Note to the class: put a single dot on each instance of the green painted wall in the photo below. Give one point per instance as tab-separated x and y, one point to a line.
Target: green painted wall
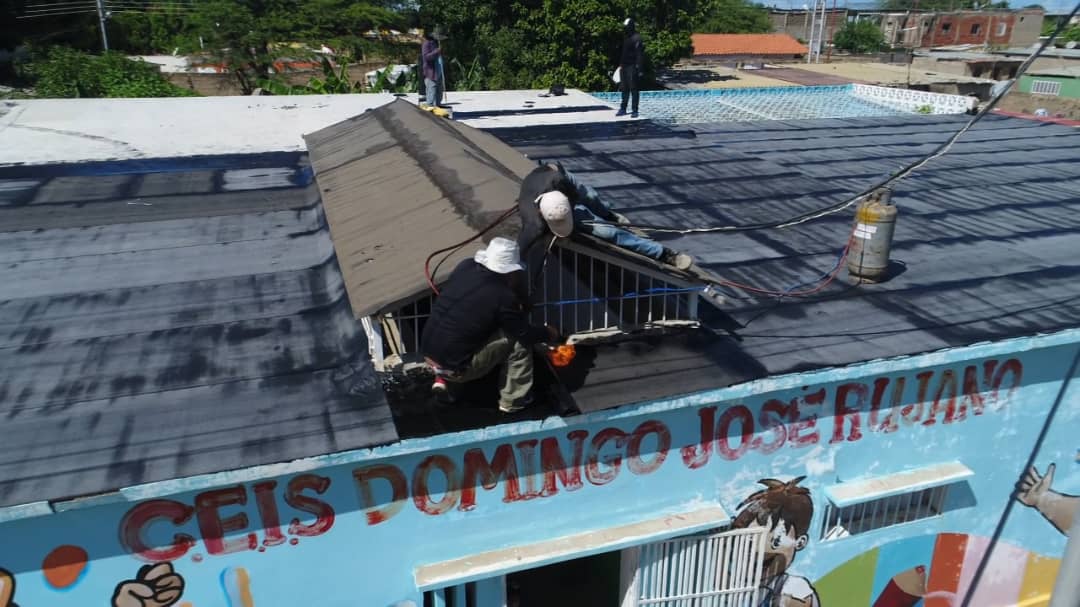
1070	87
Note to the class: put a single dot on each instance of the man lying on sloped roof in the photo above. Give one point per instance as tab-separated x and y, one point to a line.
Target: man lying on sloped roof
553	200
479	322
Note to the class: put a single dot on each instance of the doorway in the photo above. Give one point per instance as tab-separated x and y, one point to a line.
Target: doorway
592	581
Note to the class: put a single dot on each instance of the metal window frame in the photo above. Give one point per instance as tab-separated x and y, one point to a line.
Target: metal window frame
841	522
706	569
402	323
1050	88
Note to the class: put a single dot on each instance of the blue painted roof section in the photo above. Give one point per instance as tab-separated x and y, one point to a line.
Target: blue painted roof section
986	240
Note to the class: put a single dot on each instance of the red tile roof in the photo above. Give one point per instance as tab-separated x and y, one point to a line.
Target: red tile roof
747	44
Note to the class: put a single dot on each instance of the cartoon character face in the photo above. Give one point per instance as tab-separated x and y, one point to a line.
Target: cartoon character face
781	545
785	510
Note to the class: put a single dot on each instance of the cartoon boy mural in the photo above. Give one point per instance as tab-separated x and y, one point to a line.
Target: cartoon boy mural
1059	508
785	510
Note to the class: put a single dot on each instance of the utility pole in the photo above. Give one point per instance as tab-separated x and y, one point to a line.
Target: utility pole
1067	586
103	16
821	31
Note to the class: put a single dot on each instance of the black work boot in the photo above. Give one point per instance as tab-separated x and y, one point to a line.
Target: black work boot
682	261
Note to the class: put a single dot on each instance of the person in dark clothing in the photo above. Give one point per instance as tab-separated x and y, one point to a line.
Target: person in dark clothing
578	207
478	322
431	60
631	67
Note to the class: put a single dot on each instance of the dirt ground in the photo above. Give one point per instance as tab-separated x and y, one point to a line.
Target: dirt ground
1059	107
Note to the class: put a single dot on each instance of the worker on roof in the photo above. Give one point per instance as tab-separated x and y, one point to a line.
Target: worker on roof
554	200
631	68
479	322
431	60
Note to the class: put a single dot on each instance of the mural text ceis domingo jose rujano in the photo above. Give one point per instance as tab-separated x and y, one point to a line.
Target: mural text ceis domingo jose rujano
540	468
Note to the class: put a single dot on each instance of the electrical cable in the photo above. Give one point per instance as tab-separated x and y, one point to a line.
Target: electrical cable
453	248
895	177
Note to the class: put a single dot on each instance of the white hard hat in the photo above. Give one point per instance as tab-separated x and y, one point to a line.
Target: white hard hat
555	209
501	256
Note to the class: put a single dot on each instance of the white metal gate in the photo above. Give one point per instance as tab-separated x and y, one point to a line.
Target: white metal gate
715	570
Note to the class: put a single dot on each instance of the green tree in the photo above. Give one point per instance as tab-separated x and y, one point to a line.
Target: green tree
859	37
248	35
732	17
536	43
64	72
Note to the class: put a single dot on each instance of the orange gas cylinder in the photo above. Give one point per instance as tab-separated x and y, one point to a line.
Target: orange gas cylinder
561	356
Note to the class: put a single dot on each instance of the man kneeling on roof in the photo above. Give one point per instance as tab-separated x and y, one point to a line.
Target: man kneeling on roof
566	204
479	322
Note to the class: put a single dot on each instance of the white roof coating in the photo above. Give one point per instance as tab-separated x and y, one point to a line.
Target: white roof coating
78	130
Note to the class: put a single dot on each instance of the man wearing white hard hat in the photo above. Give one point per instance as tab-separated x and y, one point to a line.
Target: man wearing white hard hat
566	204
479	322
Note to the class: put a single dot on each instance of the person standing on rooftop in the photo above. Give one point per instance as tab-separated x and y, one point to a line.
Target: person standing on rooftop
431	56
631	67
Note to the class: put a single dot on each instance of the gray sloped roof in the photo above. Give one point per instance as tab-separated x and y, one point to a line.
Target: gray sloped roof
399	183
986	242
162	322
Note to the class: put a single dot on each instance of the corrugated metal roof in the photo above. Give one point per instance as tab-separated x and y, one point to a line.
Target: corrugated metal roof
986	240
164	322
397	184
746	44
1070	71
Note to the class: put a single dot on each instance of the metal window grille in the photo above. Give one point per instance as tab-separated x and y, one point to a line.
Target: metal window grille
715	570
579	292
1045	87
885	512
452	596
582	292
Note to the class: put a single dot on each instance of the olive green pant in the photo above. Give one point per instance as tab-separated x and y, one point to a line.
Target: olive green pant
516	374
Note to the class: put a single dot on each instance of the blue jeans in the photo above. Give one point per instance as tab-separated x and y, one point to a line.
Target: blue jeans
587	222
433	96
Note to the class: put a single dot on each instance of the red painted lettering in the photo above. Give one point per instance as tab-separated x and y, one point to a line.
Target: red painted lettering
772	417
889	423
324	514
697	454
421	494
972	393
912	412
398	492
213	527
141	516
845	412
634	463
527	449
1015	370
268	513
723	431
944	399
613	461
806	422
479	471
554	466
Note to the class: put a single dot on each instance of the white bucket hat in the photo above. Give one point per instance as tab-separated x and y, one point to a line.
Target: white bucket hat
501	256
555	209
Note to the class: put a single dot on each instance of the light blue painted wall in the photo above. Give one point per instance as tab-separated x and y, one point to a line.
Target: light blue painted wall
352	562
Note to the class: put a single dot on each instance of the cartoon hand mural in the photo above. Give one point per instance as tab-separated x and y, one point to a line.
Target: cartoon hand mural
7	589
154	586
1034	491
